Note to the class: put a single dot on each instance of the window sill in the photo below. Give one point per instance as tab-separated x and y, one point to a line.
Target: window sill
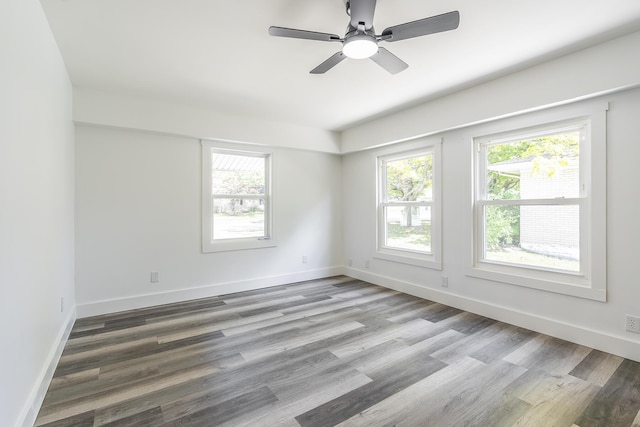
426	261
566	284
237	245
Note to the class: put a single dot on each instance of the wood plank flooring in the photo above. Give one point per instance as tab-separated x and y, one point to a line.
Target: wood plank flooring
329	352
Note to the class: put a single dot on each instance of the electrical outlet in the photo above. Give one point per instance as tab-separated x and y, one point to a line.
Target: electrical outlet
61	304
304	259
350	262
633	324
367	264
154	277
444	281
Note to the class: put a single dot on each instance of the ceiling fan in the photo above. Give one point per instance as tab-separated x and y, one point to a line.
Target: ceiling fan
361	41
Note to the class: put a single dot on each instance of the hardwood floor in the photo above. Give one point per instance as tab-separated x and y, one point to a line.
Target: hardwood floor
330	352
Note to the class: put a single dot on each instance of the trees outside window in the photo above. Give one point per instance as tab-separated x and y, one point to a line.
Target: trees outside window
407	205
530	200
236	199
539	206
408	208
238	195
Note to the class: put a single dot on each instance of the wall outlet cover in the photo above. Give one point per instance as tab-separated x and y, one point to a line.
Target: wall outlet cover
633	324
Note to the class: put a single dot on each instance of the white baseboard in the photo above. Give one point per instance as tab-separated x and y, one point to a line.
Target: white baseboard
32	406
148	300
617	345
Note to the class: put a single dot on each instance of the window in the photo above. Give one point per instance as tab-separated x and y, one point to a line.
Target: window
539	199
409	207
236	199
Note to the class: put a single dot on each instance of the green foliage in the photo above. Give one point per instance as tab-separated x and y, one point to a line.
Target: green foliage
503	226
407	179
238	182
546	154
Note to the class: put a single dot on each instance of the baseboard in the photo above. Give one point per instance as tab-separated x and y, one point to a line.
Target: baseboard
32	406
617	345
148	300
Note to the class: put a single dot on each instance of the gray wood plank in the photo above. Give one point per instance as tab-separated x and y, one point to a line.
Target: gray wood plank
330	351
597	367
224	411
618	401
386	383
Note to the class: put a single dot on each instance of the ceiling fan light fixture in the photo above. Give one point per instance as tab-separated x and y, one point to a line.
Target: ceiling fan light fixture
360	46
360	40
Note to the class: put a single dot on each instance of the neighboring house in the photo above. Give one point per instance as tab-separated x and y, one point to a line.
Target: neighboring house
560	235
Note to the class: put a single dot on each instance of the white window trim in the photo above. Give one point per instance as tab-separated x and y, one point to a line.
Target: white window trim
210	245
431	260
591	282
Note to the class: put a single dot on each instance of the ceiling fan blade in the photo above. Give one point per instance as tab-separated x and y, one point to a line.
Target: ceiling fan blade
303	34
389	61
362	11
333	60
422	27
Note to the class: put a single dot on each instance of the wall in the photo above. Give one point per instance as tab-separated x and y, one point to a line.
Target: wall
592	323
138	210
36	208
596	70
96	107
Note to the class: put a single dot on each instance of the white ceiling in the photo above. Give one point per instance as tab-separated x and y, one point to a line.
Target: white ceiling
218	54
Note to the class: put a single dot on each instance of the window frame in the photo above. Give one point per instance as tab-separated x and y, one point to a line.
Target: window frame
209	243
590	281
407	256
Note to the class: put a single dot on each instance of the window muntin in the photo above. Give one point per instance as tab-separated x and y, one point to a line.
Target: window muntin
408	205
236	199
531	199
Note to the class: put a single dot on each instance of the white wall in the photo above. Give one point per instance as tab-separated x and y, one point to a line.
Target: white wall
598	69
596	324
36	208
138	210
95	107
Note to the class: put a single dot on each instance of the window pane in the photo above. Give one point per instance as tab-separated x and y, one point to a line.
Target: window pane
540	168
237	174
410	179
408	227
537	236
238	218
